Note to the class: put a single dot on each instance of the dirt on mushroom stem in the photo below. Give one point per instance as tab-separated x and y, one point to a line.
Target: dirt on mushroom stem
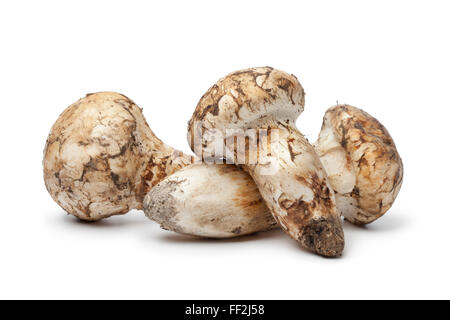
294	185
205	200
214	201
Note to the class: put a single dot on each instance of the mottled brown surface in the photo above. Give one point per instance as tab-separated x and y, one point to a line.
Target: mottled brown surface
254	90
101	157
299	211
373	154
247	195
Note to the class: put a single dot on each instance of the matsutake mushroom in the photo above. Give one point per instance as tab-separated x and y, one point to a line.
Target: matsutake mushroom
362	163
101	157
286	169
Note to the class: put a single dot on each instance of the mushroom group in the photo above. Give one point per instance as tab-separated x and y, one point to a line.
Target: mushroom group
253	169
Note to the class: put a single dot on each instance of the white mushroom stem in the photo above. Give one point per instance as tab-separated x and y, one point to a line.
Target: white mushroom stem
215	201
297	192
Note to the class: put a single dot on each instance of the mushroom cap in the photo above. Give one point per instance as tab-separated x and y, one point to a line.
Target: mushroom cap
243	98
95	155
372	171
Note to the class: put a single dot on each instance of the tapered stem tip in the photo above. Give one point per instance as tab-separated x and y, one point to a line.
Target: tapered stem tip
324	236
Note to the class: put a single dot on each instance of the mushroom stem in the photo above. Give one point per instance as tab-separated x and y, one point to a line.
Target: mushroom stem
221	201
296	190
214	201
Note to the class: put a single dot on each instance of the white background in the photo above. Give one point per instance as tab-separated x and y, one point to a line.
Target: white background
390	58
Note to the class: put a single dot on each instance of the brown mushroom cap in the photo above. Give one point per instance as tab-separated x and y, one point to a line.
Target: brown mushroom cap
371	173
243	97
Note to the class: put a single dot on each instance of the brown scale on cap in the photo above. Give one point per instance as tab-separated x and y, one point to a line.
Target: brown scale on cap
246	89
269	99
101	157
362	161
